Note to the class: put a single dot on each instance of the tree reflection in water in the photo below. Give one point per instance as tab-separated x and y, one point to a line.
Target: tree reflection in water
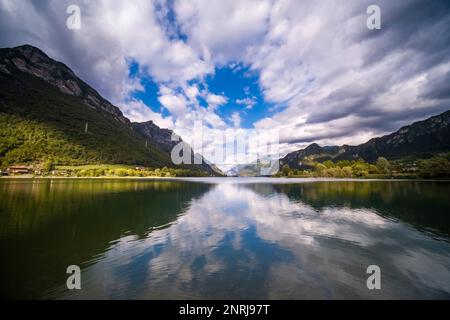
166	239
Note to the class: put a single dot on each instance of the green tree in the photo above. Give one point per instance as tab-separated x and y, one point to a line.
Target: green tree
328	164
335	172
435	167
383	165
47	166
360	169
285	170
343	163
373	169
320	169
347	171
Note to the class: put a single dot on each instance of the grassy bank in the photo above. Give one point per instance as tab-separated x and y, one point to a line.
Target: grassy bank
107	170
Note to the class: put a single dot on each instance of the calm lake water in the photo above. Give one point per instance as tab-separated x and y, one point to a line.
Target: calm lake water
224	238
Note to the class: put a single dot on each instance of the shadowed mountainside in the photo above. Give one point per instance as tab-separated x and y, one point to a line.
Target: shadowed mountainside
48	113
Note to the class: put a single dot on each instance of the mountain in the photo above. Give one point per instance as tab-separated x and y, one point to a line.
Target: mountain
259	167
162	138
48	113
32	61
418	139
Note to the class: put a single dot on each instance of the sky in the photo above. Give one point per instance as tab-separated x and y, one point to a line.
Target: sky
312	70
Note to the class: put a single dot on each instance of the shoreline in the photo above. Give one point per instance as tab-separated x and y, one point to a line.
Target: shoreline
59	177
200	179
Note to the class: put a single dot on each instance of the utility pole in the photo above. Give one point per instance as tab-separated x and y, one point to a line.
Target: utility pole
86	128
146	143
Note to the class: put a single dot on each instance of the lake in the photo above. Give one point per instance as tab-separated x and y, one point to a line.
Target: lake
224	238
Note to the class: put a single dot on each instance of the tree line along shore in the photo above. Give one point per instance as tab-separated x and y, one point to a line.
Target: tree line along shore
434	167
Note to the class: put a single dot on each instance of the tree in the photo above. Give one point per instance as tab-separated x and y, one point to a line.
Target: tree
320	169
360	169
383	165
435	167
347	171
328	164
373	169
48	166
286	169
343	163
335	172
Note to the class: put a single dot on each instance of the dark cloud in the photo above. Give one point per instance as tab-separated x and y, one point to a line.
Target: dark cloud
410	25
329	134
339	104
381	122
420	32
437	88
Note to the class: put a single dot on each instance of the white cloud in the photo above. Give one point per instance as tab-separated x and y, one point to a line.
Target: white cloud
328	79
236	119
137	111
249	103
215	100
308	231
192	92
223	29
175	103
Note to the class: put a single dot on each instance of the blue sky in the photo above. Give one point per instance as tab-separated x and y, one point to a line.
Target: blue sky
240	85
149	92
236	82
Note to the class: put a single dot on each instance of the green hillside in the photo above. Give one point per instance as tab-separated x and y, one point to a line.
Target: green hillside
38	122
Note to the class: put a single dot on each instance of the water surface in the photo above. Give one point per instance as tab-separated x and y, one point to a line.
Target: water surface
224	238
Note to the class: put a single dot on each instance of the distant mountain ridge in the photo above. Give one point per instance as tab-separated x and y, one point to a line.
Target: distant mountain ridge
162	138
43	103
427	136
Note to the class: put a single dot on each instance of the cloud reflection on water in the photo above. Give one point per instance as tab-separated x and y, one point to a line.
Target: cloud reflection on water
242	241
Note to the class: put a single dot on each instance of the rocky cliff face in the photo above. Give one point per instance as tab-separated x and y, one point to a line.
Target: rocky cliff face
162	138
428	136
33	61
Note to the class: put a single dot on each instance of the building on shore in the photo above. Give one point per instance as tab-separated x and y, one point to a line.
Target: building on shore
16	170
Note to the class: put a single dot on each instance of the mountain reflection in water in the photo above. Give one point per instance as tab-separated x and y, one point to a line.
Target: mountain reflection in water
210	239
